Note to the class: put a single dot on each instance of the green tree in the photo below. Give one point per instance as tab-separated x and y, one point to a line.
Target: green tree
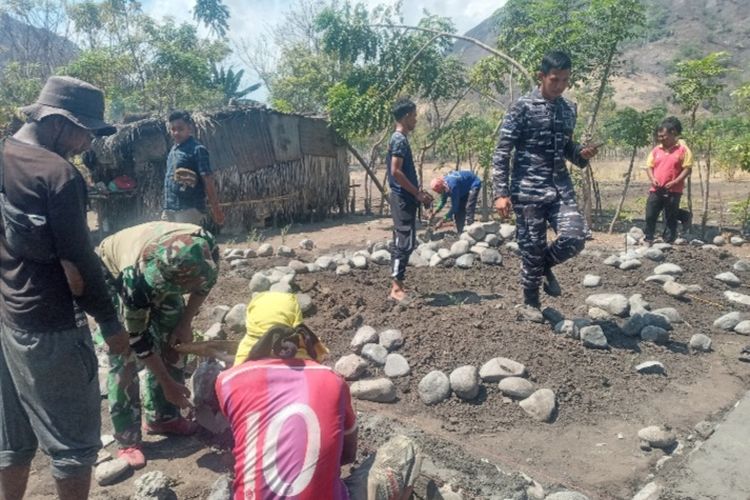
228	82
214	15
19	85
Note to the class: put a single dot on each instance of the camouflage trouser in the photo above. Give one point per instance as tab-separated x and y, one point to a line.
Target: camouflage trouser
123	383
536	255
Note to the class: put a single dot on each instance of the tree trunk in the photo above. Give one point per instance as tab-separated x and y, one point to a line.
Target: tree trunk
704	215
624	191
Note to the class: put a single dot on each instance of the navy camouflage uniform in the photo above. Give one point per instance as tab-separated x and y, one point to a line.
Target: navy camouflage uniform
540	188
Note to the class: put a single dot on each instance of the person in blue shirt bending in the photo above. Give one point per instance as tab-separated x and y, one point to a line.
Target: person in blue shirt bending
462	186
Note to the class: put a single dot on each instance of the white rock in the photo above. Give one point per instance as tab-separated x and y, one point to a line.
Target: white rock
730	320
630	264
737	298
444	253
671	269
612	260
728	278
654	254
614	303
493	240
364	335
259	283
313	268
636	233
680	241
598	314
214	332
652	491
697	243
434	387
591	280
221	489
281	287
672	314
660	278
476	231
235	319
491	227
675	289
700	343
427	254
285	251
513	247
435	260
465	382
351	366
111	471
499	368
638	304
742	265
566	495
719	241
465	261
516	387
239	264
305	302
567	327
651	367
396	366
391	339
657	437
491	256
249	253
737	241
343	270
459	248
325	262
593	336
153	485
743	327
307	244
298	266
380	390
465	237
265	250
381	257
218	313
375	353
507	232
540	405
416	260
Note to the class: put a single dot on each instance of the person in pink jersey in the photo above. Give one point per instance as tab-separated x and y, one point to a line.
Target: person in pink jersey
293	422
668	165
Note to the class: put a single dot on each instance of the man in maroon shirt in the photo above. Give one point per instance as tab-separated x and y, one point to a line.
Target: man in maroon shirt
50	277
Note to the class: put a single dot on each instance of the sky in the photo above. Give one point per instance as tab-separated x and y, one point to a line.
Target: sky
252	18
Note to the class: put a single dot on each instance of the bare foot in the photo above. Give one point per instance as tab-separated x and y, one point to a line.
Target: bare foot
397	291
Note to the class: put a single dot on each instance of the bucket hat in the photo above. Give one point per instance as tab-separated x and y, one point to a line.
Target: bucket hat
76	100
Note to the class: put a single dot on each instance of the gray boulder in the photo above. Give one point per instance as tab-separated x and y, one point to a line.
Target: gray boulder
345	270
434	387
675	289
381	257
658	437
284	251
737	241
612	260
305	302
153	485
493	240
729	278
737	298
396	366
111	471
597	314
636	233
235	319
700	343
325	262
655	334
719	241
465	382
259	283
507	231
375	353
552	315
364	335
614	303
351	366
638	304
476	231
391	339
730	320
743	327
380	390
282	286
465	261
491	256
742	266
416	260
265	250
499	368
459	248
655	254
465	237
630	264
516	387
540	405
593	337
359	262
668	268
659	278
591	281
672	314
221	489
491	227
298	266
307	244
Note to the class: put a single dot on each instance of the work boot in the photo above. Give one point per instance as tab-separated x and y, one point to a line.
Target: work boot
551	285
133	456
177	427
530	309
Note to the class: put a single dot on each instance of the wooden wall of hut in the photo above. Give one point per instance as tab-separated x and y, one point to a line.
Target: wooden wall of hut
270	168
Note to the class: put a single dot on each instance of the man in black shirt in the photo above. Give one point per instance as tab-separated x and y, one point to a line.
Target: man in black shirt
49	388
405	194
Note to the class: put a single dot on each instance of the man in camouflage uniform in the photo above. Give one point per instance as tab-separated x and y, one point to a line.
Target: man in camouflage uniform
148	269
539	126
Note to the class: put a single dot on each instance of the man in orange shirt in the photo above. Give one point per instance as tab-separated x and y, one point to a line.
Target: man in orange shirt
668	165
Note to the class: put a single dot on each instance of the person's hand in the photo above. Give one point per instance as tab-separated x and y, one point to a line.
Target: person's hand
655	183
503	206
74	278
218	215
177	394
589	152
119	343
424	198
669	184
182	334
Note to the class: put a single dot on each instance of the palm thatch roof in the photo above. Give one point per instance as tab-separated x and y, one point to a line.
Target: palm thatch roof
268	167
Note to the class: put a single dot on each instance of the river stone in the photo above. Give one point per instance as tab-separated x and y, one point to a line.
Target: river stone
231	254
259	283
307	244
742	265
612	260
636	233
654	254
655	334
235	319
704	429
380	390
668	268
694	288
427	254
743	327
499	368
359	262
598	314
221	489
516	387
285	251
593	336
710	247
214	332
493	240
435	260
465	382
312	267
697	243
379	245
476	231
591	280
729	320
651	368
737	241
375	353
459	248
465	237
444	253
672	314
364	335
729	278
391	339
675	289
416	260
434	387
351	366
381	257
614	303
680	241
325	262
466	261
566	495
540	405
552	315
567	327
513	247
345	270
507	231
700	343
298	266
282	286
153	485
719	241
396	366
305	302
630	264
218	313
491	256
491	227
738	298
659	278
657	437
638	304
111	471
265	250
637	322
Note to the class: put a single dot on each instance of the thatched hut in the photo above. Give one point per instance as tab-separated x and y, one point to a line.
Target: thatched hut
269	167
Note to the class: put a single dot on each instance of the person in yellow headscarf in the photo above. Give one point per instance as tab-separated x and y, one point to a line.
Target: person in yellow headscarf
269	309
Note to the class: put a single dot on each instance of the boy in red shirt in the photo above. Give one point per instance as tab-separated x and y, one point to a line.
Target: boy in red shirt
668	165
294	425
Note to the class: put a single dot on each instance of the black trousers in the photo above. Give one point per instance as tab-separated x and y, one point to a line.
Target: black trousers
404	213
467	207
670	204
